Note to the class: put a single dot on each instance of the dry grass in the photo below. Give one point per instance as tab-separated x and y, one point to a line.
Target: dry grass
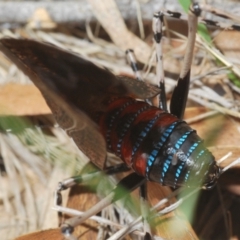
36	159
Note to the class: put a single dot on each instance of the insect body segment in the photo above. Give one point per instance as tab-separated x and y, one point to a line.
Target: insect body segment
154	143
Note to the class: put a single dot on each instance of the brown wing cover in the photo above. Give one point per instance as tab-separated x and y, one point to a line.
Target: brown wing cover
82	129
75	89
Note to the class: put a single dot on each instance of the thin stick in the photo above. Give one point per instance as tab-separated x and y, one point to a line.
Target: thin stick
224	158
201	117
232	164
140	20
219	12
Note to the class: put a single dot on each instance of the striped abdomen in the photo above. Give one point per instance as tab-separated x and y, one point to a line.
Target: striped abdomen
156	144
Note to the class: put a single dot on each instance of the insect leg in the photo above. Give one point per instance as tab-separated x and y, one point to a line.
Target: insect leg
157	24
145	210
129	183
133	63
180	93
220	13
83	178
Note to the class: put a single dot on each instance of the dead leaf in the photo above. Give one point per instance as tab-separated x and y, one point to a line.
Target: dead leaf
19	100
53	234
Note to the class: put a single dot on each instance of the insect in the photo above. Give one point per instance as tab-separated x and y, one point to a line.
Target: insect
99	111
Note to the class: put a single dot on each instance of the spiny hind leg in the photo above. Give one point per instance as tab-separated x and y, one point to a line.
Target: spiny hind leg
123	188
90	176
